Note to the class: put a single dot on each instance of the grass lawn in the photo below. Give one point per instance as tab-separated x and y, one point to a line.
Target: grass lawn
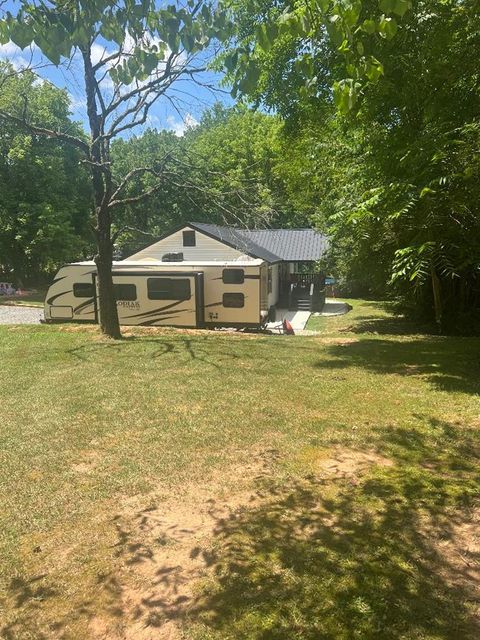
30	299
204	486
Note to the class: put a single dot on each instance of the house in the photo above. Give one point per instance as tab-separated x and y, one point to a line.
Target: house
201	275
289	253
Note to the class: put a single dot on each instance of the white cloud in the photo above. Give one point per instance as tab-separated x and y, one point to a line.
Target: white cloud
77	103
98	52
18	58
180	126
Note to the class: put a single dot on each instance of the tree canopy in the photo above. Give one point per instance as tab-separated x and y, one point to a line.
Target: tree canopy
44	198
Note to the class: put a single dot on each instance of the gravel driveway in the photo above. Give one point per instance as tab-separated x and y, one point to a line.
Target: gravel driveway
10	314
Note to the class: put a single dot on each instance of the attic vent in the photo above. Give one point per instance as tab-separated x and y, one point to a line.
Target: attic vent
172	257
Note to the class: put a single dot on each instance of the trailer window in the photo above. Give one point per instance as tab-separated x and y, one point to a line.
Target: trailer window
83	290
234	300
168	289
189	239
233	276
125	291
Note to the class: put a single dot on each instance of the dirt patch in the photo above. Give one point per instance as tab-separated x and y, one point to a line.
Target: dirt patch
342	342
349	463
459	547
341	463
166	549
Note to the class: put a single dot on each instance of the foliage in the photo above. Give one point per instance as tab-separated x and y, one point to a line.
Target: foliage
230	169
325	47
44	194
399	173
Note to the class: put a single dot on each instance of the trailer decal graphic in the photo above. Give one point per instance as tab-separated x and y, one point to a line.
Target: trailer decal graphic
83	305
58	295
158	310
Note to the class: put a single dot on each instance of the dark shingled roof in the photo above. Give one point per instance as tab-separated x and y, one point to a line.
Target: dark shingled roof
272	245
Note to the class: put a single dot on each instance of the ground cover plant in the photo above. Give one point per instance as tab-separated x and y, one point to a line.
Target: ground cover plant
204	486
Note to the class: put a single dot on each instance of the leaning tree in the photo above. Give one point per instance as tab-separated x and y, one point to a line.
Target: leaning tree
128	54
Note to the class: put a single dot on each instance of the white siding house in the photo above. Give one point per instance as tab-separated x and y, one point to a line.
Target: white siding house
206	248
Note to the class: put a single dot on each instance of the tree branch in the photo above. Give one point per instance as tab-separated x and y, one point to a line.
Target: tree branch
134	199
49	133
137	171
118	233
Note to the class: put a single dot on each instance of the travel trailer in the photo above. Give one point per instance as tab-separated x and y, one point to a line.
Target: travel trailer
182	294
199	276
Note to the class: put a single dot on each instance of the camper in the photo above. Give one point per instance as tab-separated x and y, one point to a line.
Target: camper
201	275
155	293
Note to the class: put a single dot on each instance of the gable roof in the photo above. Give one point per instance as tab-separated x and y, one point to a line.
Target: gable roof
237	239
272	245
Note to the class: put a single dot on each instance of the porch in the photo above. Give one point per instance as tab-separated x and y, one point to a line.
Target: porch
299	289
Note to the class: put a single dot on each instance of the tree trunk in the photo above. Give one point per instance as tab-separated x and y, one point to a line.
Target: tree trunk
437	297
102	191
107	304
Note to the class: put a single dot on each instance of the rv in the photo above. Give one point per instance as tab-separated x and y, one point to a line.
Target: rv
200	275
153	293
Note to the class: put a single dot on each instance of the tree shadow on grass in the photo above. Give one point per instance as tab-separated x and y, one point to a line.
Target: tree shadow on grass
450	364
394	325
182	348
357	557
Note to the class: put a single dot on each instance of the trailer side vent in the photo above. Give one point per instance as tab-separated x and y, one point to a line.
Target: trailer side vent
172	257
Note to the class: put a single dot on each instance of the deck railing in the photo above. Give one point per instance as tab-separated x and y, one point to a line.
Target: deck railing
306	279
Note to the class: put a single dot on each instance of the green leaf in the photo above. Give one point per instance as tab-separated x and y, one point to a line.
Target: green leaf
262	37
373	69
387	28
59	40
231	61
187	40
322	5
345	94
387	6
369	26
4	35
21	34
248	84
426	191
81	36
352	13
401	7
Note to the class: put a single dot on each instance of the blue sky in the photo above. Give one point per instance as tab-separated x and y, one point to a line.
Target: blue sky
186	99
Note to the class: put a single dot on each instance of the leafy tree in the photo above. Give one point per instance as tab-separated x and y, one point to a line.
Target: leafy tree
44	194
396	164
144	50
227	170
282	51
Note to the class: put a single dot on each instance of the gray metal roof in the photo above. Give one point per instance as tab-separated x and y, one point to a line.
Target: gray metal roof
292	245
272	245
236	238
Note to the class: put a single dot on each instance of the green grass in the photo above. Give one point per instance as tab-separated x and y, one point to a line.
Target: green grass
89	425
31	299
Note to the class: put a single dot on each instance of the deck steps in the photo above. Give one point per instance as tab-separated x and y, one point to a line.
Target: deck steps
303	304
